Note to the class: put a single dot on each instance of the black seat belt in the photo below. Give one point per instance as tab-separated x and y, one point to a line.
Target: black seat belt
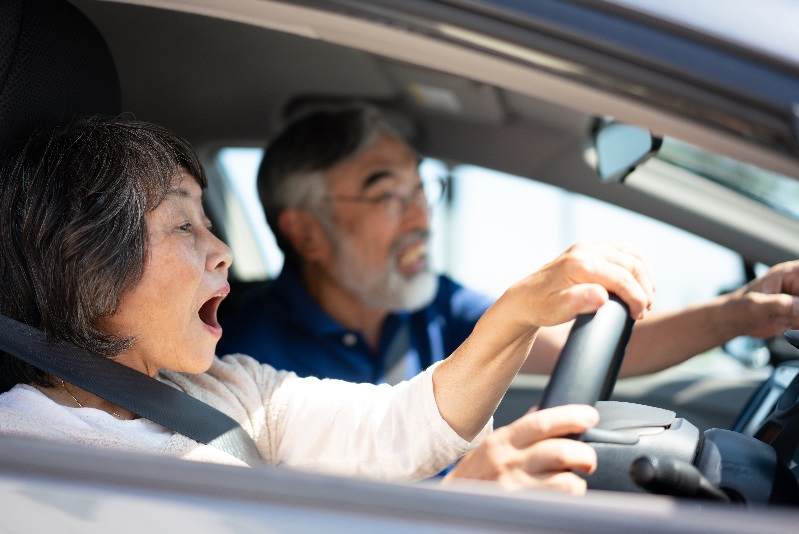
128	388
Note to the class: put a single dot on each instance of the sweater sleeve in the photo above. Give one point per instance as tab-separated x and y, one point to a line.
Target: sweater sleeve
383	432
332	426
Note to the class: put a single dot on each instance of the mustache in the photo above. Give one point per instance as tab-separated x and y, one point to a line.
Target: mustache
409	239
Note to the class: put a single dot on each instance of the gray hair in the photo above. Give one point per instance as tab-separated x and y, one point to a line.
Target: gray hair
291	175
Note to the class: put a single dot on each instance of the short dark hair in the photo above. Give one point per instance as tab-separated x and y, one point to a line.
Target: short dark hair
291	171
73	235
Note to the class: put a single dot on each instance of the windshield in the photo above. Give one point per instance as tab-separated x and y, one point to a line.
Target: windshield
779	192
743	22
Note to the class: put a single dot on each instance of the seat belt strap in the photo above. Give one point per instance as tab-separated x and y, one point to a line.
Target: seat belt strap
394	363
128	388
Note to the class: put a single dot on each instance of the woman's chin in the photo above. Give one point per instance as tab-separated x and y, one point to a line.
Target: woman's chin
199	362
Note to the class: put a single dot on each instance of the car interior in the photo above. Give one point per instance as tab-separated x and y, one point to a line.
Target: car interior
279	58
446	116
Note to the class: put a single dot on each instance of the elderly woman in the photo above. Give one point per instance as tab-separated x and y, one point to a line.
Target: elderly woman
106	245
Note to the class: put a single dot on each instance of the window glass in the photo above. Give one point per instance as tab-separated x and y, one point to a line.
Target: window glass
492	229
240	171
509	226
495	228
774	190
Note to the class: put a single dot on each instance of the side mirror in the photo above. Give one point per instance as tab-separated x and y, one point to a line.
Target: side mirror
620	148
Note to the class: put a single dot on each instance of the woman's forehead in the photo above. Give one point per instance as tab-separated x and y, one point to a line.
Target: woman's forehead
185	185
184	193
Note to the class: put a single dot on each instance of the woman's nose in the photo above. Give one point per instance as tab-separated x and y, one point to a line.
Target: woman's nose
219	256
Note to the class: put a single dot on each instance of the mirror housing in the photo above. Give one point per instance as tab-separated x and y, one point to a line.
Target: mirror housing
620	148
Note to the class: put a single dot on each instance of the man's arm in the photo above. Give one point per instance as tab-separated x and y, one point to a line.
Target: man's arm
763	308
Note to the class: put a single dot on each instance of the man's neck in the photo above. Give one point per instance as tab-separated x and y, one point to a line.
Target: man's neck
344	306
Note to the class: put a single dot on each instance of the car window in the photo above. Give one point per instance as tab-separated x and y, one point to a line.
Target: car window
521	225
239	166
779	192
750	24
494	228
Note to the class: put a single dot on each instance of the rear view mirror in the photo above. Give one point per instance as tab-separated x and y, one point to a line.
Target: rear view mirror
620	148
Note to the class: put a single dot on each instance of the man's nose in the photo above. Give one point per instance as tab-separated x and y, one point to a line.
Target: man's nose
415	211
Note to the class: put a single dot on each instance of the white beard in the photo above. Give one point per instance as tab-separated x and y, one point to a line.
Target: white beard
385	289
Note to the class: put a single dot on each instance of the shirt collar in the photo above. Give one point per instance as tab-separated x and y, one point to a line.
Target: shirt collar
302	308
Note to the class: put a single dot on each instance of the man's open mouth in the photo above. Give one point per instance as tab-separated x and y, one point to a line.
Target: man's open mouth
412	254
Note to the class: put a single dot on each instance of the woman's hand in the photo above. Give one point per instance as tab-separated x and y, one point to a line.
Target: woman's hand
470	383
578	281
530	453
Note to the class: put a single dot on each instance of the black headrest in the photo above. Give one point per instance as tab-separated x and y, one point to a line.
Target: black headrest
54	64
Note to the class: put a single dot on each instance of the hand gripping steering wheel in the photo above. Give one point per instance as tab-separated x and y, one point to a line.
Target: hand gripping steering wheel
586	373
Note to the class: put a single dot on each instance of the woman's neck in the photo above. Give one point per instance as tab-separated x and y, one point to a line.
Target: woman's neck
72	396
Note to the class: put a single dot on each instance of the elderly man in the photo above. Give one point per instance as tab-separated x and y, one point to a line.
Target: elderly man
356	299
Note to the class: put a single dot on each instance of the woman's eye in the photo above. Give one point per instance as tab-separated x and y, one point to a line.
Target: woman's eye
185	227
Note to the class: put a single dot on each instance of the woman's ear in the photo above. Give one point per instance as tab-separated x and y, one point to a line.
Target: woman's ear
306	235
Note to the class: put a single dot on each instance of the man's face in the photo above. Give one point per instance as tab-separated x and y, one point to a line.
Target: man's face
380	229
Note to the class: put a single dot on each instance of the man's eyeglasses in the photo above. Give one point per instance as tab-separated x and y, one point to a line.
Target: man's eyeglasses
426	194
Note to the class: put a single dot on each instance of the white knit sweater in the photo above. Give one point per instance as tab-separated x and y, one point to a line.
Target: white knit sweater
382	432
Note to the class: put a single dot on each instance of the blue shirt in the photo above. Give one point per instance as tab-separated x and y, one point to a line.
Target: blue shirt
280	324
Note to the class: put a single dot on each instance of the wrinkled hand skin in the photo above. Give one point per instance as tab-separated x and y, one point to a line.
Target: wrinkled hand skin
470	383
578	281
768	305
529	453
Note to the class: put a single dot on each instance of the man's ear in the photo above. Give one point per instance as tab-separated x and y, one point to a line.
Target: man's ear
304	233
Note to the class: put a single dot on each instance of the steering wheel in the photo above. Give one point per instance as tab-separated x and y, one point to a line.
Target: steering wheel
589	363
665	454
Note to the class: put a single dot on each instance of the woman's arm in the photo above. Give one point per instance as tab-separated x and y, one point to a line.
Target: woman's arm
531	452
380	432
470	383
418	427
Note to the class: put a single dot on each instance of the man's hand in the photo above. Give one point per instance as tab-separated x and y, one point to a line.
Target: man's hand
769	304
530	453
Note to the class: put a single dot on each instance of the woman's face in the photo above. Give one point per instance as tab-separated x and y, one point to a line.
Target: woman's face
171	313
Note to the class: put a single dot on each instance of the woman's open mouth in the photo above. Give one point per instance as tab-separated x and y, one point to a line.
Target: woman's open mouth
207	312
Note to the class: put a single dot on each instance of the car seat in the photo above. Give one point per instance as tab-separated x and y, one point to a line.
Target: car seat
54	65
